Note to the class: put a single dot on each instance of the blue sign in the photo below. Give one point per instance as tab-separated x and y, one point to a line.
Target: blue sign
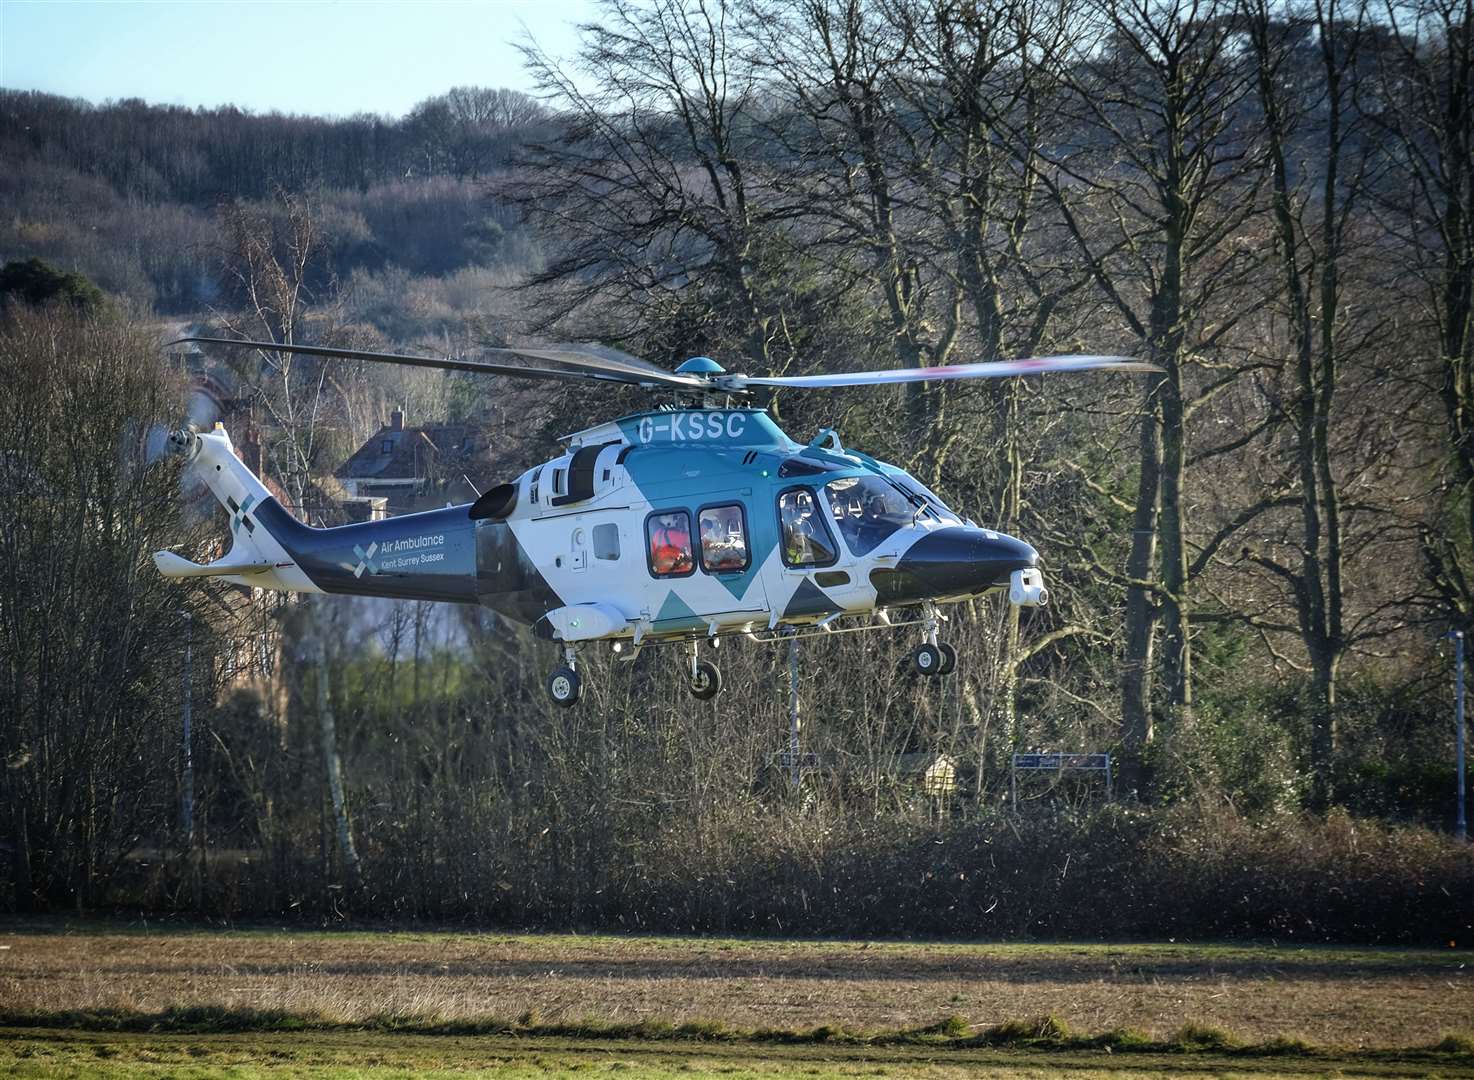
1100	762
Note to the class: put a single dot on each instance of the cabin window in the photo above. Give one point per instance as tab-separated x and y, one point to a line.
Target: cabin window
668	537
606	542
806	539
868	509
723	538
560	486
532	485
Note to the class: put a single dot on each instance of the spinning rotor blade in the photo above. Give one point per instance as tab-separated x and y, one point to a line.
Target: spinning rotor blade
996	369
603	358
602	365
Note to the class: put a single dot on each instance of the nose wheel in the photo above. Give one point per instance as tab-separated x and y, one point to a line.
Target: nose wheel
927	659
949	659
938	659
933	657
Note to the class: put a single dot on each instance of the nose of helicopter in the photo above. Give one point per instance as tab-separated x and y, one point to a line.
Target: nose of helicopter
953	562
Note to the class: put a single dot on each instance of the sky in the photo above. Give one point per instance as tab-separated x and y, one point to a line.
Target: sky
321	57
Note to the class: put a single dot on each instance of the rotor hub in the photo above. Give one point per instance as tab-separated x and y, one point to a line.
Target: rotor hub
700	365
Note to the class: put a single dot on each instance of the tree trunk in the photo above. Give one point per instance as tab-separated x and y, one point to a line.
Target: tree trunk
1317	581
20	857
332	760
1009	500
1141	615
1177	642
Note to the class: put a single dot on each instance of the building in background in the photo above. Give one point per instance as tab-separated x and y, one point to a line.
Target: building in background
416	468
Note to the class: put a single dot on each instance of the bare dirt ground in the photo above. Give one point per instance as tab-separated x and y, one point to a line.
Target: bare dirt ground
1350	998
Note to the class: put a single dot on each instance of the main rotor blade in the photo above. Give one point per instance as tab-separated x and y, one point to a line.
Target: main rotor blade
602	357
997	369
596	368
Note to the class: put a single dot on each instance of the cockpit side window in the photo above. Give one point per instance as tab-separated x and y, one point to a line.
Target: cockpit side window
868	509
807	541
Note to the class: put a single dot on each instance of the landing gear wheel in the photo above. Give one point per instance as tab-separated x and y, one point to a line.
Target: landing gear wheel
707	682
949	659
564	686
927	660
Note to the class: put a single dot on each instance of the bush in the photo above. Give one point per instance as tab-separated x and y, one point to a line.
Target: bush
1117	873
1245	751
37	282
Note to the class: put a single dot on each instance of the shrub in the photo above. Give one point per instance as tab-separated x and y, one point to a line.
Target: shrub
1456	1042
37	282
1191	1036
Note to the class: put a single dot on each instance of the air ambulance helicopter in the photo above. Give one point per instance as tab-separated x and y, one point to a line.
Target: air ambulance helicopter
694	521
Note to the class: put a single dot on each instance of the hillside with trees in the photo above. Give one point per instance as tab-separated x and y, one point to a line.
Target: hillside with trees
1255	554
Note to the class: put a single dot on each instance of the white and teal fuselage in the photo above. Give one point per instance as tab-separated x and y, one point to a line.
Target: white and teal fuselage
566	547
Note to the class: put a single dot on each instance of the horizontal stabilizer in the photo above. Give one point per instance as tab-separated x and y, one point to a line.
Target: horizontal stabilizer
176	566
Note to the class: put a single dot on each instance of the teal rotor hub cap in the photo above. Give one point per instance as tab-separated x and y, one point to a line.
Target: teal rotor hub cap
700	365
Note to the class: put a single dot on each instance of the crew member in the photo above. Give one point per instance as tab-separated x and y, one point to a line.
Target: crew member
670	545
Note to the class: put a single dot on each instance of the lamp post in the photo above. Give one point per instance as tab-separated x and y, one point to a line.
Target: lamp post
1461	827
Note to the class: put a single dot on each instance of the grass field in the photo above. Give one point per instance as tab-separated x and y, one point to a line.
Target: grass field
29	1054
96	1000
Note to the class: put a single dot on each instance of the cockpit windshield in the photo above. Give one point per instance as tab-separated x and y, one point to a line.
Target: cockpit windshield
868	509
933	501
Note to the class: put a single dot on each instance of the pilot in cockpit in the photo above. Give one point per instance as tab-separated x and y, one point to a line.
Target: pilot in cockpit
799	528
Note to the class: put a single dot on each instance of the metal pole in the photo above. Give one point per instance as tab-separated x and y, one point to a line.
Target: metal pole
1461	827
793	710
186	795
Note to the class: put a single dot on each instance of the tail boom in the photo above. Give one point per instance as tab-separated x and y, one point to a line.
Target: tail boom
428	556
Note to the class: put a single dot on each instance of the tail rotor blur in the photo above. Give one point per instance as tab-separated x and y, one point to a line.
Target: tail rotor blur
203	409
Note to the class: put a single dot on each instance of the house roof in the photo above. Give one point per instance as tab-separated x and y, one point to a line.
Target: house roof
414	453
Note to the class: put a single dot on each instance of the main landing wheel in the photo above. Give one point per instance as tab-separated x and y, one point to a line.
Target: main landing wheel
927	659
707	682
949	659
563	686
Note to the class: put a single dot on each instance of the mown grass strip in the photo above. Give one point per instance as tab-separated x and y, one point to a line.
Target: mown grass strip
1042	1033
1276	953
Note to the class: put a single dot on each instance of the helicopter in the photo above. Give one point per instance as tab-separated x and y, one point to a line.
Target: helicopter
694	521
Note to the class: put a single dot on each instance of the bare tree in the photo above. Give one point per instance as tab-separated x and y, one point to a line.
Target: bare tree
649	185
845	171
983	86
1156	183
268	261
1311	244
91	637
1426	95
468	128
